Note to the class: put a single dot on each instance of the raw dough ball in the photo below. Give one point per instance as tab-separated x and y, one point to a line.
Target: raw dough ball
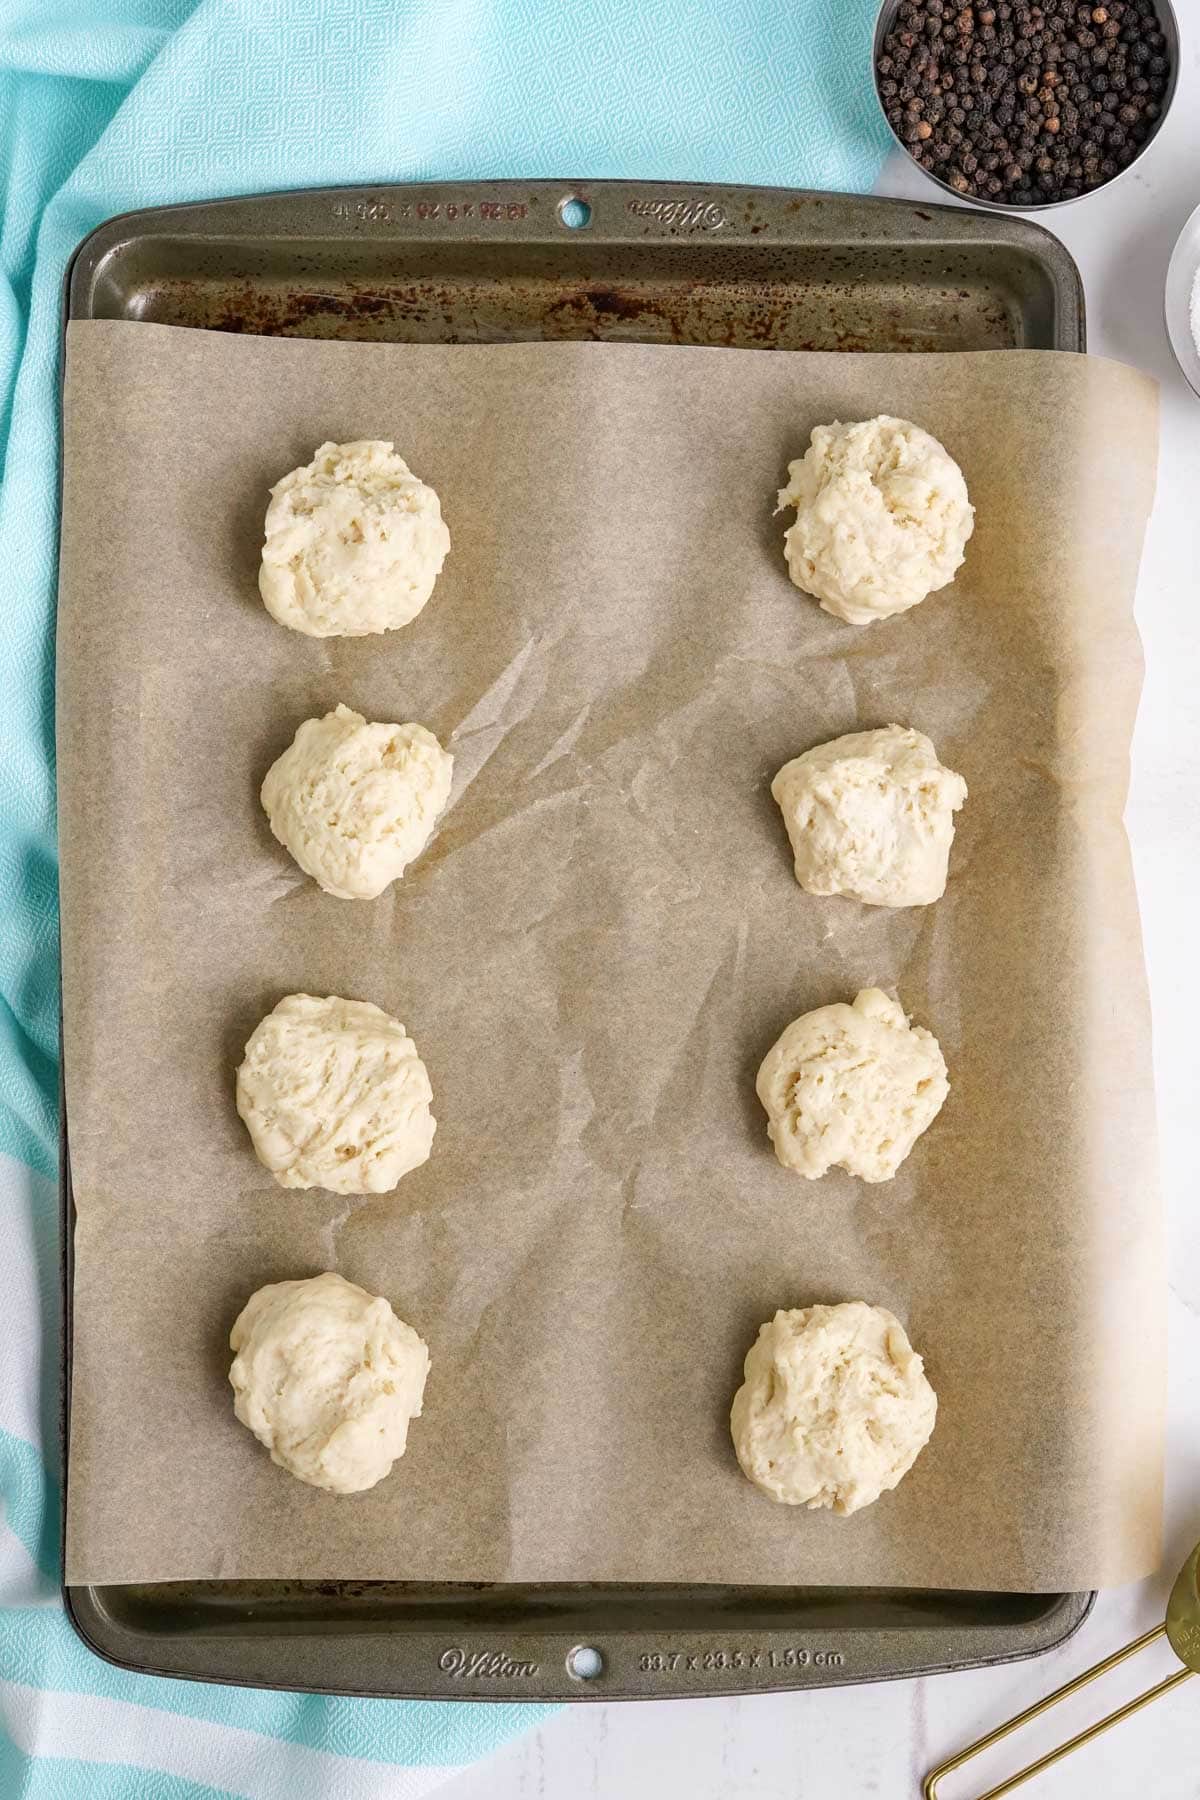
327	1377
851	1087
355	803
871	815
335	1096
882	516
354	543
835	1406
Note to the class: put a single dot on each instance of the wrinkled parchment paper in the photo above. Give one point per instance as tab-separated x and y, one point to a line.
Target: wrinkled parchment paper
593	956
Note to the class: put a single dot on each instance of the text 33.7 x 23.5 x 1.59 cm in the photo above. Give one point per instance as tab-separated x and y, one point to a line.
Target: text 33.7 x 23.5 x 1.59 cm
670	1662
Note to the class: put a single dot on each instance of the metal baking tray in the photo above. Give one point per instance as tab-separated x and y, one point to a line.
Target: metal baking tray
644	263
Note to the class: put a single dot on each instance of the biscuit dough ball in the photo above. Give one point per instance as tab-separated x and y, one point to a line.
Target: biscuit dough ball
871	815
851	1087
835	1407
356	802
882	518
335	1096
354	543
327	1377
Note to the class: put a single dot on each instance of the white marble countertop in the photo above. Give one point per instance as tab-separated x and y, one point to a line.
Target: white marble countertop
851	1743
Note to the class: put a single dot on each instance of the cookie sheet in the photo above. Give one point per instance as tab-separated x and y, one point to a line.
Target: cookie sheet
594	954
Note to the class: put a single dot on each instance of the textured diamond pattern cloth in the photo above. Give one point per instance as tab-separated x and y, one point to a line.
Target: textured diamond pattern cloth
107	105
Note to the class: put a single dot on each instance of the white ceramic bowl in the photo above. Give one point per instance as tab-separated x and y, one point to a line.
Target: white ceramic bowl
1181	274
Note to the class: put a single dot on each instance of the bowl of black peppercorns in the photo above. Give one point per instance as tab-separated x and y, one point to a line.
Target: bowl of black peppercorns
1024	106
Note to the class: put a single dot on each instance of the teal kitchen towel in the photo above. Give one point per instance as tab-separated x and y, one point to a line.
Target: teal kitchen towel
107	105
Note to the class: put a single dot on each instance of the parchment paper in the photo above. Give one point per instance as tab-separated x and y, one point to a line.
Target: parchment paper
594	954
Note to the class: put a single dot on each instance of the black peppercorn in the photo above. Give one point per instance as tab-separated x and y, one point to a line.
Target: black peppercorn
1063	92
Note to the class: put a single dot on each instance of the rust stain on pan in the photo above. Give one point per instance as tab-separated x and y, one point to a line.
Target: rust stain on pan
826	313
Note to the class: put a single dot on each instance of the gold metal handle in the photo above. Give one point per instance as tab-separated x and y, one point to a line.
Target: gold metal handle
929	1788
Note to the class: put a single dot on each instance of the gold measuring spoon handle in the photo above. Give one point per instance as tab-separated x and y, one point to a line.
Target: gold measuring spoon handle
929	1787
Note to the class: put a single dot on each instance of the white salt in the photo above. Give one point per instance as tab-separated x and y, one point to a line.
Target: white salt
1194	313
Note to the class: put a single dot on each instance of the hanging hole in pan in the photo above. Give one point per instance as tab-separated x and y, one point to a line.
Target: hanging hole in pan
575	213
584	1662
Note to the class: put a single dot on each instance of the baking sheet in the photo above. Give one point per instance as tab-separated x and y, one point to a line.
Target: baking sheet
593	956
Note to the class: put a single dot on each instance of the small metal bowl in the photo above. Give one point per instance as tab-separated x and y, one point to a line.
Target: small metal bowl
1168	25
1177	302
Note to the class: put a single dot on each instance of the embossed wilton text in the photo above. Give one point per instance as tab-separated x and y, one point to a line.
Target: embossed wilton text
486	1663
685	215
